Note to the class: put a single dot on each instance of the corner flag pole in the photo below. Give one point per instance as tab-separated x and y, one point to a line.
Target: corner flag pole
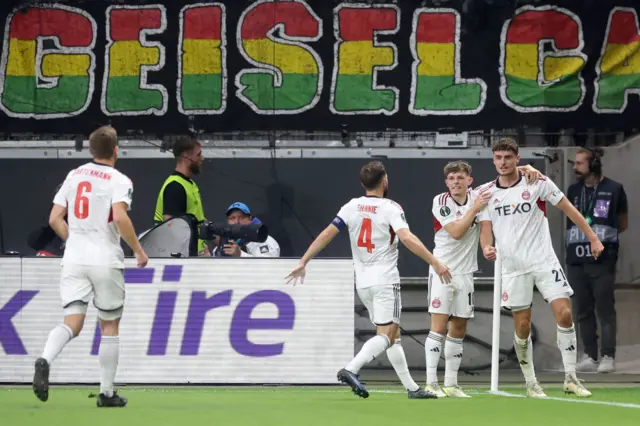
495	338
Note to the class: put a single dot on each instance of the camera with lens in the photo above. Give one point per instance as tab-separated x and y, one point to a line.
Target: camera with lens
254	232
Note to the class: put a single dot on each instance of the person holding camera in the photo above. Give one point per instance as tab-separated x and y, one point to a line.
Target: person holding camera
239	214
603	203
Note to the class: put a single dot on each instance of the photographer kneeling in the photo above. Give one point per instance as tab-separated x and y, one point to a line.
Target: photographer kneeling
239	214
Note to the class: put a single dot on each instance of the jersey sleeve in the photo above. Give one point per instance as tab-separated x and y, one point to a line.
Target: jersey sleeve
550	192
441	212
342	218
61	196
123	192
397	219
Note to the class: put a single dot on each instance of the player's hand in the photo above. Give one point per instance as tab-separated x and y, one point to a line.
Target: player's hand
531	173
482	199
489	253
142	259
443	272
298	272
596	248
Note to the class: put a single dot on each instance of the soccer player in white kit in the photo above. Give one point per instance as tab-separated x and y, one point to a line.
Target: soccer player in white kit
95	197
456	237
375	224
517	215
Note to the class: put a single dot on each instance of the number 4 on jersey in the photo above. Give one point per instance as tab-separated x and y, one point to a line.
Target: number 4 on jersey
364	239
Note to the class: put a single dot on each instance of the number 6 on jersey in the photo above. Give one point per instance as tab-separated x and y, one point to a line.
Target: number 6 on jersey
364	239
81	205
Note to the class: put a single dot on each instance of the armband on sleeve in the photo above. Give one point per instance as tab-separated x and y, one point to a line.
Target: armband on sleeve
338	223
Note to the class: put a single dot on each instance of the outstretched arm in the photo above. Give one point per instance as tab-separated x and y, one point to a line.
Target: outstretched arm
574	215
416	247
320	243
316	247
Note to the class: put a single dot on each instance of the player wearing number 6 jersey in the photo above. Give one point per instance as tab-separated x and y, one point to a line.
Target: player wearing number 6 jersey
95	197
375	224
517	211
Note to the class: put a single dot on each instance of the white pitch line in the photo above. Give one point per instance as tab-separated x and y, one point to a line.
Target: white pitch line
582	401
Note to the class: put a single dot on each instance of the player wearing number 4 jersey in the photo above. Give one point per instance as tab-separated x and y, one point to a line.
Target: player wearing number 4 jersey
96	198
455	219
517	211
375	224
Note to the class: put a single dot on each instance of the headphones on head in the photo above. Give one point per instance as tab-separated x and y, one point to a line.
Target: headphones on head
595	162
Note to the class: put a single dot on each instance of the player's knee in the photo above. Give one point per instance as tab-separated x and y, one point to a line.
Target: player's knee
564	318
458	328
110	327
523	328
439	323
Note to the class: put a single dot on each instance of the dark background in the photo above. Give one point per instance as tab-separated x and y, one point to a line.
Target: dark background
296	198
480	58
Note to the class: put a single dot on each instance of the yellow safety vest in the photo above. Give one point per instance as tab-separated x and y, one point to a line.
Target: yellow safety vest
194	203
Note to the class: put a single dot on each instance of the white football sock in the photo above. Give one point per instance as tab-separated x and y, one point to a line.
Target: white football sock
524	351
369	351
453	359
58	339
567	345
108	356
433	349
399	362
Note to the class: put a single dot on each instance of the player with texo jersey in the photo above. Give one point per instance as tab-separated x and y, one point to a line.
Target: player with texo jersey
456	238
516	215
95	197
373	222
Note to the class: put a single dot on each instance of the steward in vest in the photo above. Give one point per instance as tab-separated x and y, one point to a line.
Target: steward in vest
179	194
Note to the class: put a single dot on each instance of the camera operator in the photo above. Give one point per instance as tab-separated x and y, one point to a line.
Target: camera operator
239	214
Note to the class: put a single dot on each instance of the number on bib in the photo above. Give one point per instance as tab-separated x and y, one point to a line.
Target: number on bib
583	250
81	206
365	239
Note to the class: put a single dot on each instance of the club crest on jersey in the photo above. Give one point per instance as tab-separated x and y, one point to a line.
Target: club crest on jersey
526	195
496	201
458	214
436	303
445	211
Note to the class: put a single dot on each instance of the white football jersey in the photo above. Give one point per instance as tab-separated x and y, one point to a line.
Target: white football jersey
460	256
373	223
88	193
520	225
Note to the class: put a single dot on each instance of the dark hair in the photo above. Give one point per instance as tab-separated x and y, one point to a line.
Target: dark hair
590	152
371	174
103	142
183	145
457	167
505	144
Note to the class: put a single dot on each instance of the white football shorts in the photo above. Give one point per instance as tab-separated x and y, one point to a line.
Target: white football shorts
517	292
383	302
454	299
79	284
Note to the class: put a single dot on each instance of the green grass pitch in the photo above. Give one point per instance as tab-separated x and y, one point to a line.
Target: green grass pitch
315	406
